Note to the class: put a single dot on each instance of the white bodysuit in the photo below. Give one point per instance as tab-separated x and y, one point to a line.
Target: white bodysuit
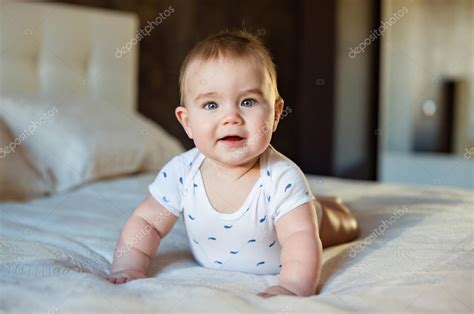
245	240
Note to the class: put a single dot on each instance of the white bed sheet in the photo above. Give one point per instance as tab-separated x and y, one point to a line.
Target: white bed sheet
56	252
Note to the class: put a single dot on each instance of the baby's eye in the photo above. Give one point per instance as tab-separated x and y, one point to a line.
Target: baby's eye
211	105
248	102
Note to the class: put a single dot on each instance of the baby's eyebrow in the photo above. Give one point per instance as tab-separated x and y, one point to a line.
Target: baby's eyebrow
205	95
257	91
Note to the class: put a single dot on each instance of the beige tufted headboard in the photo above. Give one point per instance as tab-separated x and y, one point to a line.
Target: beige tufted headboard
60	49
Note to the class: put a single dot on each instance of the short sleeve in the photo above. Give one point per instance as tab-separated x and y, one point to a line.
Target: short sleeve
167	188
290	190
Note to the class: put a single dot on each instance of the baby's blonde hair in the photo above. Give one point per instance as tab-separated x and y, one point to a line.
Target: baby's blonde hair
237	44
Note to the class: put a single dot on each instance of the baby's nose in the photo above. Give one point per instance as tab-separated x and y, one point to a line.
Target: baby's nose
232	117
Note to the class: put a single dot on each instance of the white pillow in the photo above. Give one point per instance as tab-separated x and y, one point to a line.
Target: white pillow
19	181
73	141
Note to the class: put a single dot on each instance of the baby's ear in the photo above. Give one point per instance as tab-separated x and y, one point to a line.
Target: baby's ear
278	110
183	118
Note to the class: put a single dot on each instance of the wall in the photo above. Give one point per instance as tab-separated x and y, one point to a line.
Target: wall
432	42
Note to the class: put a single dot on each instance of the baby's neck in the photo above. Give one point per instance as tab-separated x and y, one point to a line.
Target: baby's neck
231	172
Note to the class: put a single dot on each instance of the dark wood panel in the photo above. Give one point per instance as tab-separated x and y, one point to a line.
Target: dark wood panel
316	86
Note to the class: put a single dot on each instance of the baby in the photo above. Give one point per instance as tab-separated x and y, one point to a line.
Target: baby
246	207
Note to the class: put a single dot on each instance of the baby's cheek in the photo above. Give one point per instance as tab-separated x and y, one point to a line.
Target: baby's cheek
202	138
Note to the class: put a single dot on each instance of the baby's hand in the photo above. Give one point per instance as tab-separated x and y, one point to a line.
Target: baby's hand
275	290
125	276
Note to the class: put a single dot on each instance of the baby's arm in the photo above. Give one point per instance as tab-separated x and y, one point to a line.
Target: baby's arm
140	240
301	255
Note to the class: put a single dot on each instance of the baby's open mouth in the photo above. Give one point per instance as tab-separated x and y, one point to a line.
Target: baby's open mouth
232	138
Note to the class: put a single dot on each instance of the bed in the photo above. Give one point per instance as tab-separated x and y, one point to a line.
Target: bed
56	252
414	253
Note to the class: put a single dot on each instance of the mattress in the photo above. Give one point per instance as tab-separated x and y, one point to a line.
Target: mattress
415	254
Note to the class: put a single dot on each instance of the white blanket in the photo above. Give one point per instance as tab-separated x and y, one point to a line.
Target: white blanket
414	254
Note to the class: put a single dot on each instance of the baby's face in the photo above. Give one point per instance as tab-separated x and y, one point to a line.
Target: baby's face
227	97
